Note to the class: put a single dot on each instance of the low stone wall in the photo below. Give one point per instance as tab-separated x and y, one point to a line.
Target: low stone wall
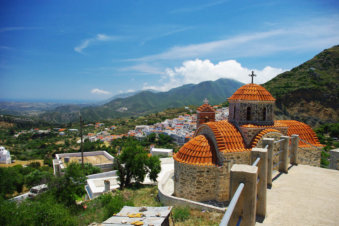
195	182
170	200
309	156
237	157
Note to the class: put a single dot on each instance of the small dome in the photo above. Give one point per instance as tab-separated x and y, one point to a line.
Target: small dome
197	152
252	92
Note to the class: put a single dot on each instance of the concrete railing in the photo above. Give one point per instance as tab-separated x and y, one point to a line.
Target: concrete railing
248	183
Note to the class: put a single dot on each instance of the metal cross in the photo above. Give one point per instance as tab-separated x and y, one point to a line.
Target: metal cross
252	75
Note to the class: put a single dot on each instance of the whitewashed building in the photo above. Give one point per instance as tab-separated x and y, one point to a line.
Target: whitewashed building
5	156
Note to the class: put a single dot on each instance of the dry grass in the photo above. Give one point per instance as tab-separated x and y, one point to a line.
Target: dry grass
98	159
20	162
197	217
6	125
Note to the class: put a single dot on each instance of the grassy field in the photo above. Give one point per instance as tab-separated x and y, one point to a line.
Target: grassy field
19	162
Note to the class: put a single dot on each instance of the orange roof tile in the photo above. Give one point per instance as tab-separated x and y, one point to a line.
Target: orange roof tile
252	92
260	135
228	137
205	107
197	152
277	123
304	131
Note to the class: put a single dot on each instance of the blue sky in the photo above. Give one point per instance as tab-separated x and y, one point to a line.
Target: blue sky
92	50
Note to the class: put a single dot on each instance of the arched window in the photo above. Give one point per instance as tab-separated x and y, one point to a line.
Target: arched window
264	114
248	118
234	113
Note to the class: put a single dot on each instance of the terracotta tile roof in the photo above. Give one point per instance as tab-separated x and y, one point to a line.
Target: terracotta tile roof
260	135
252	92
304	131
197	152
227	136
205	107
277	123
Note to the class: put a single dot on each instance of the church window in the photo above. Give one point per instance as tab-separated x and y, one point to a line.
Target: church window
264	114
248	118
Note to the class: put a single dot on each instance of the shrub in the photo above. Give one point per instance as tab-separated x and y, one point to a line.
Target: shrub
113	204
181	213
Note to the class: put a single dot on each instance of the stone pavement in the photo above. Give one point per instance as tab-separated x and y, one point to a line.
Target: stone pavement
305	196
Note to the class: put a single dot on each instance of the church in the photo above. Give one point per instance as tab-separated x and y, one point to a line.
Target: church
202	165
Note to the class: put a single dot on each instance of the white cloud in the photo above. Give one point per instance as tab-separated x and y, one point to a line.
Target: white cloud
130	91
196	71
100	91
98	38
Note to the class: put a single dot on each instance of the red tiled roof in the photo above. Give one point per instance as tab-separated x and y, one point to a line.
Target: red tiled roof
252	92
304	131
277	123
260	135
227	136
205	107
197	151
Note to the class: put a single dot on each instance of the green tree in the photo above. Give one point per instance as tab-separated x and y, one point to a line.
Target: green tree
68	188
134	163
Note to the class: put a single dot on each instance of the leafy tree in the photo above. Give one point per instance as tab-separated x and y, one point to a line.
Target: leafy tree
134	163
68	188
37	177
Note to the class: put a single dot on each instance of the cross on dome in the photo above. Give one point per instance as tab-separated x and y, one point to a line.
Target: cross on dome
252	75
205	101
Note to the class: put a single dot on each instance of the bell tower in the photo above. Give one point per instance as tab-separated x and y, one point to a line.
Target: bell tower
205	113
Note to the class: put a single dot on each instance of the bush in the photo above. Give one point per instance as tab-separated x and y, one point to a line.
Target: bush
181	213
113	204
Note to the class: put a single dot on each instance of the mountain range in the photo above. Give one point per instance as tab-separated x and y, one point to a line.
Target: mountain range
145	102
308	93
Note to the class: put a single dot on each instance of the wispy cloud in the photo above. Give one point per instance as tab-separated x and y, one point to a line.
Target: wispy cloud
198	50
162	34
98	38
196	71
100	91
143	69
198	7
4	29
308	35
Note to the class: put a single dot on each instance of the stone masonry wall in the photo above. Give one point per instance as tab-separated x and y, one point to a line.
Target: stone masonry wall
238	112
195	182
309	156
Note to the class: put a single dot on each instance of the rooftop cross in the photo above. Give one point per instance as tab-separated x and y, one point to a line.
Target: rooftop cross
205	101
252	75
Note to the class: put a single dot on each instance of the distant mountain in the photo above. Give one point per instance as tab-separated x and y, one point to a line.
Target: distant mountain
309	92
123	95
148	101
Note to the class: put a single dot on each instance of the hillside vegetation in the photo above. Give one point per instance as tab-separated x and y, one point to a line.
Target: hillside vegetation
309	92
147	102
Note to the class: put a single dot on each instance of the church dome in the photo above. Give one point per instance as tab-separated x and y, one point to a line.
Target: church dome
196	152
253	92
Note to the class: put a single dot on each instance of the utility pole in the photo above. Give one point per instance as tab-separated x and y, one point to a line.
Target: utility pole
81	143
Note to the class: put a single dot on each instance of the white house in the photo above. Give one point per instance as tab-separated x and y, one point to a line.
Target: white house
5	156
161	152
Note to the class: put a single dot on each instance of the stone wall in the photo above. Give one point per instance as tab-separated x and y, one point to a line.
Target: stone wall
200	183
309	156
170	200
249	133
238	112
204	117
